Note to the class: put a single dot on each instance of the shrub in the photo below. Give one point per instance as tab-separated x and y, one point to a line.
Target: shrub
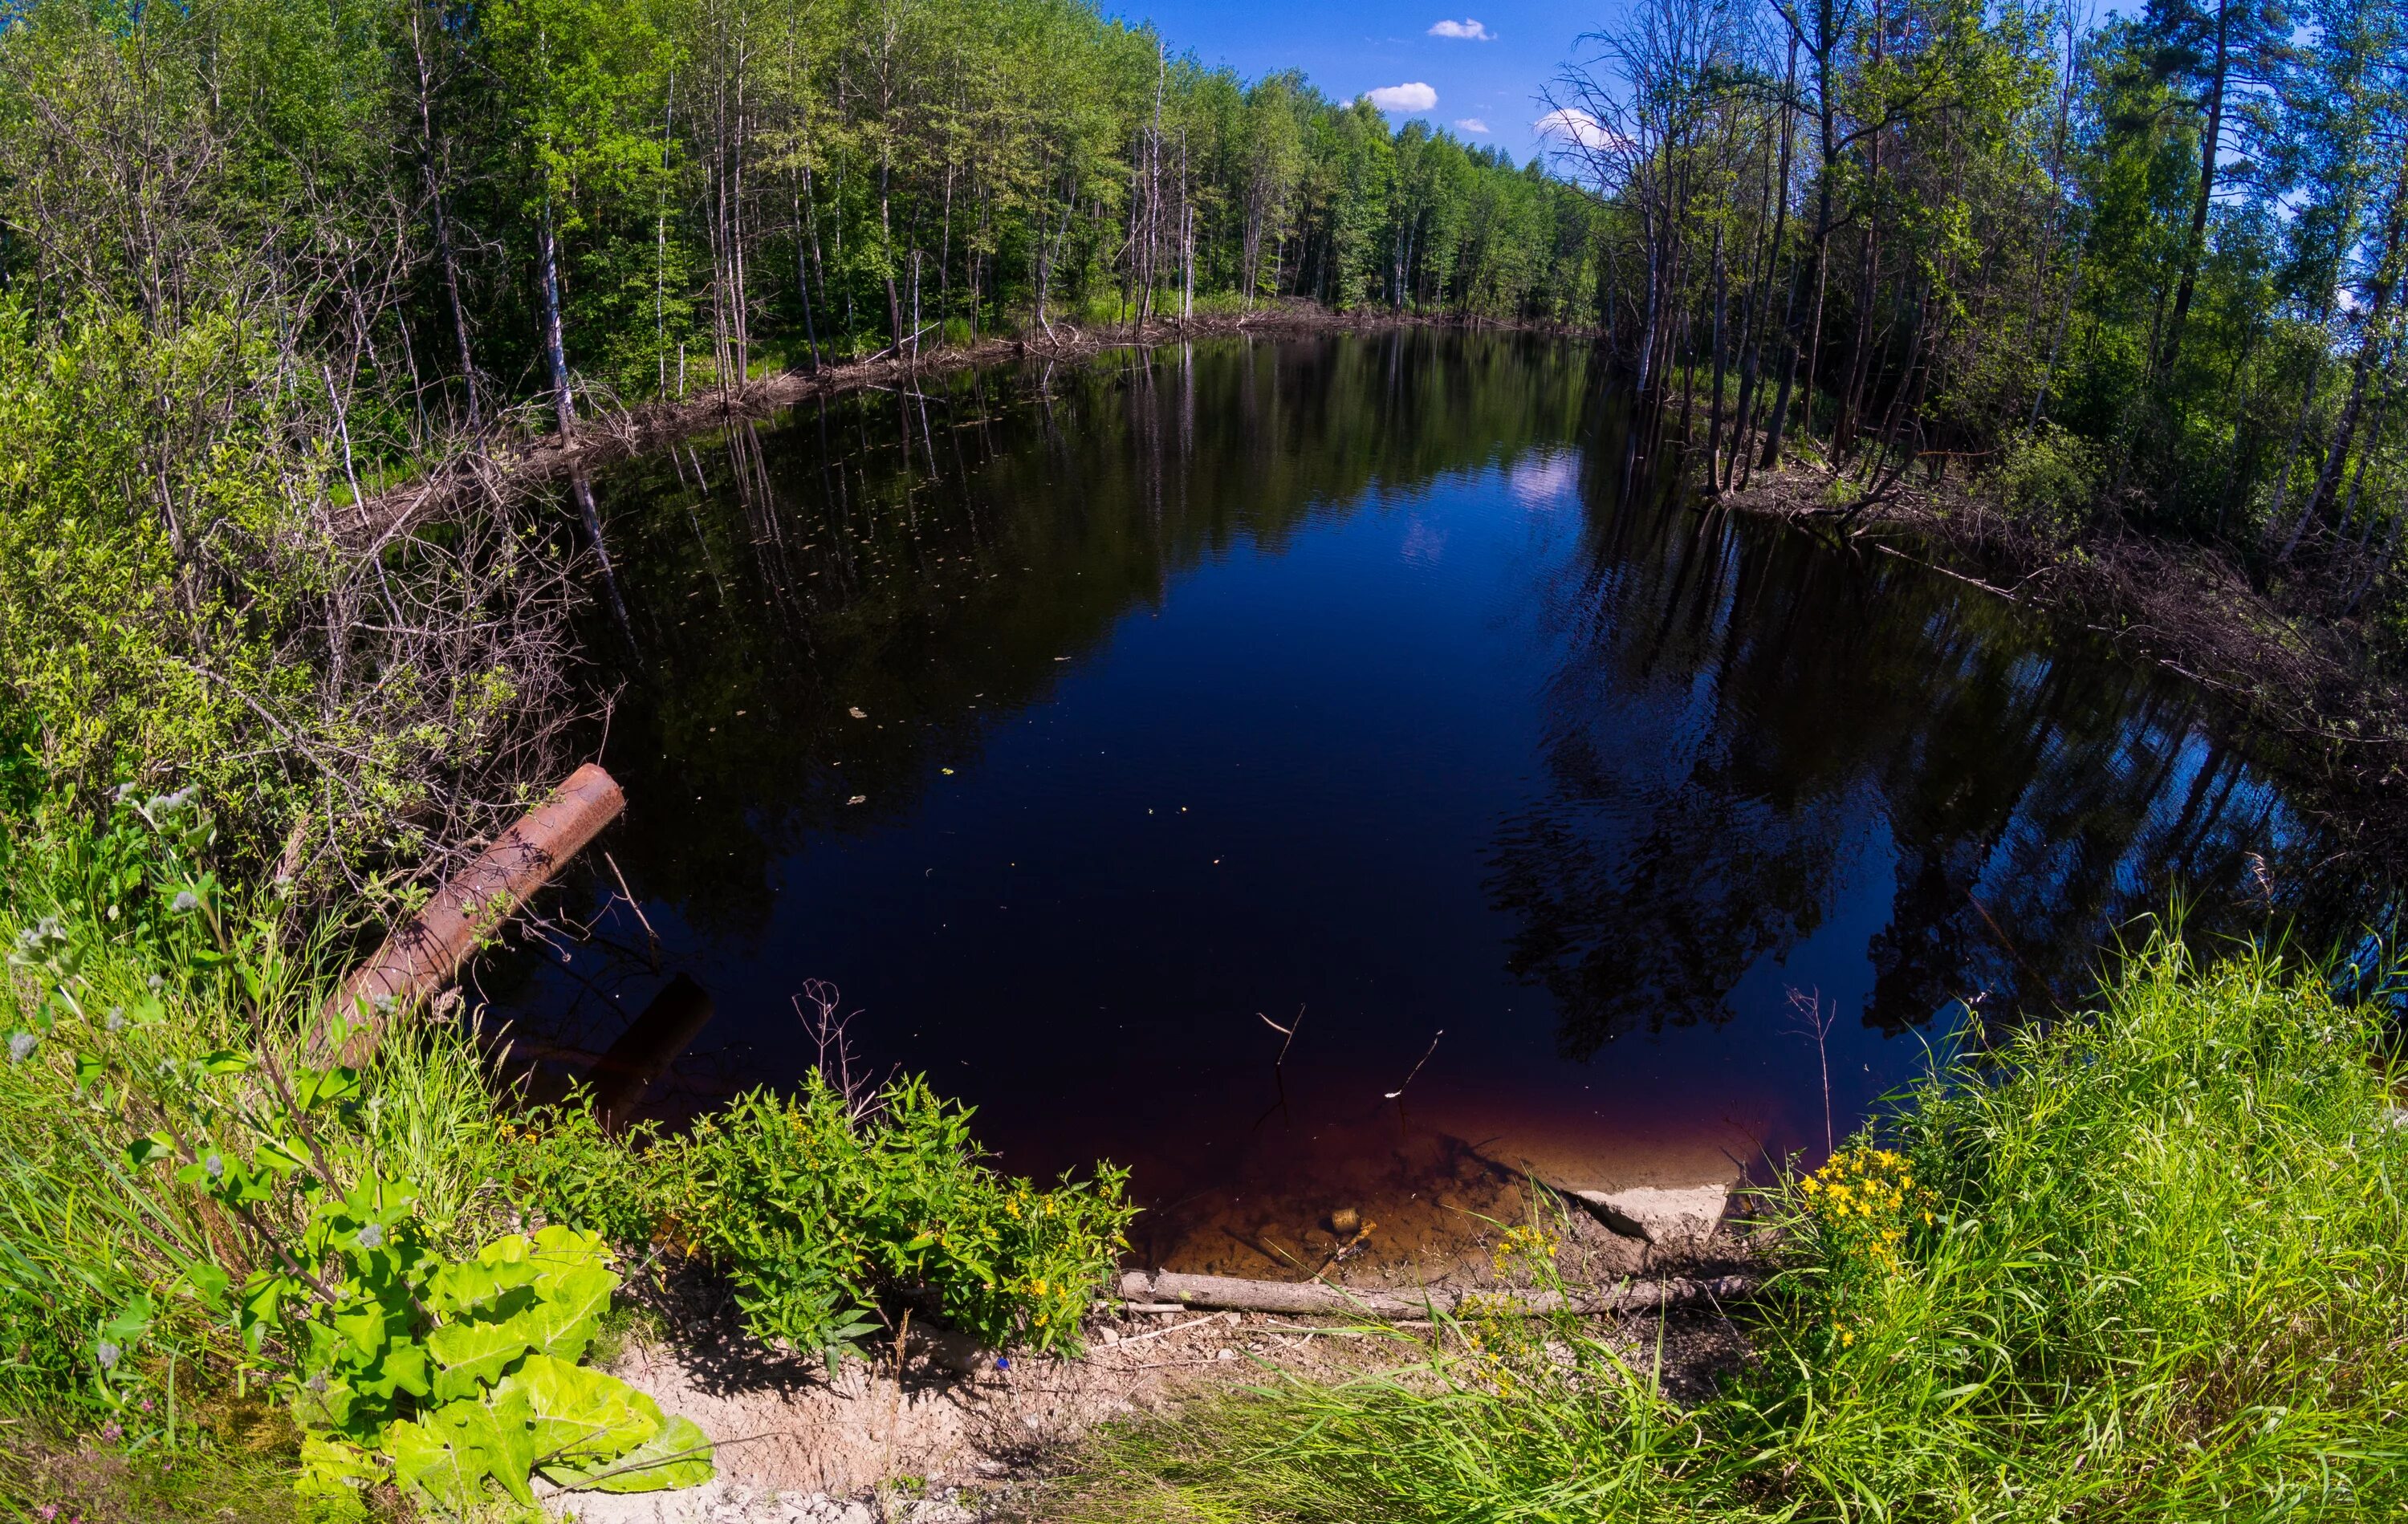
149	553
176	607
2050	479
832	1219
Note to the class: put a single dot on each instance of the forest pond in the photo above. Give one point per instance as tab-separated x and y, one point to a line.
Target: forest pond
1086	726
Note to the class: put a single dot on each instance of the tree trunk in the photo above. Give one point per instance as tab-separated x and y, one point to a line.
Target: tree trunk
555	349
1752	367
2373	341
430	158
1722	303
2195	248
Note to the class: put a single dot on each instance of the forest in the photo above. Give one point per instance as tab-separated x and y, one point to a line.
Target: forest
443	210
2143	272
261	263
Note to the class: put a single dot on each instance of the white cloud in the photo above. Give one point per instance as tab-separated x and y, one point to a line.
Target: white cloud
1466	30
1538	481
1571	124
1416	96
1469	124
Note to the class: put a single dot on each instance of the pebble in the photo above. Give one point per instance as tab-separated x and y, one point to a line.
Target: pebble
719	1501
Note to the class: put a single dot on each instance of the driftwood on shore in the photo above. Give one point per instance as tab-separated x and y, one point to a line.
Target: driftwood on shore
426	954
1230	1293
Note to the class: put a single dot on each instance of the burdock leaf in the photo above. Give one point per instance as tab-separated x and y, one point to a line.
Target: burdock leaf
579	1416
470	1356
566	1321
677	1456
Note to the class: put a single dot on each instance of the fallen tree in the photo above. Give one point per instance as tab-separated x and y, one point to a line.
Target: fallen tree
1231	1293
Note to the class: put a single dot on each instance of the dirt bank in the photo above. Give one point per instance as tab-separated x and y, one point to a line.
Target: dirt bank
953	1435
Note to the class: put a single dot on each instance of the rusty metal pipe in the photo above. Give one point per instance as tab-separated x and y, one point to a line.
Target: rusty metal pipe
423	956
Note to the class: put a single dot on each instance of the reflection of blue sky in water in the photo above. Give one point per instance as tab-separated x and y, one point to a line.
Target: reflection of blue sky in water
1374	703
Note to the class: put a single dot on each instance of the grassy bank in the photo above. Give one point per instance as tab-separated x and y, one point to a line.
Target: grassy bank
224	1257
2148	1264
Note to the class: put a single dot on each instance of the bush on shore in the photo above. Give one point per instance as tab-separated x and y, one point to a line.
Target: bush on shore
821	1208
2150	1262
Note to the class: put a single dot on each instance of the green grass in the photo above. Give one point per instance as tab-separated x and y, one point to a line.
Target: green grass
83	1232
2165	1278
47	1477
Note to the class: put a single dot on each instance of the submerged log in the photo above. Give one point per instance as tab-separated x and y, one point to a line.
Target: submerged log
424	955
1230	1293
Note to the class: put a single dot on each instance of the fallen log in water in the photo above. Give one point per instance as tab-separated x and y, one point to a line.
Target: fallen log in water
424	955
1230	1293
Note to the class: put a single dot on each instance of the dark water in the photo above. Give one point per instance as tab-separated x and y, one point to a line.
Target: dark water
1067	722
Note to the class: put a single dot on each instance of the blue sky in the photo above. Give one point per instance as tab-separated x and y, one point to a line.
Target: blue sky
1347	49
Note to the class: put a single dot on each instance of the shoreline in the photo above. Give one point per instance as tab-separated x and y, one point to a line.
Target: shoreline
496	463
2172	604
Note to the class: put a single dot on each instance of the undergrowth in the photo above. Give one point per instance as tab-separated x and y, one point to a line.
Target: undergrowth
226	1253
2150	1264
832	1215
179	607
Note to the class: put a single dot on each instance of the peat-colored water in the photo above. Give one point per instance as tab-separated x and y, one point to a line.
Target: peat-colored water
1081	725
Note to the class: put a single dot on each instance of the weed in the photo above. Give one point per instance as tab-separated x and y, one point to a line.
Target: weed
829	1216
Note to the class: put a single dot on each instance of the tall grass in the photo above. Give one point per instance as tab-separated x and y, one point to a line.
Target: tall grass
2164	1277
82	1231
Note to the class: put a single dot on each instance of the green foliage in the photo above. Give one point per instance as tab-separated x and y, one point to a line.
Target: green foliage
179	1205
177	608
192	1192
2150	1262
2051	479
453	1373
826	1214
408	156
149	554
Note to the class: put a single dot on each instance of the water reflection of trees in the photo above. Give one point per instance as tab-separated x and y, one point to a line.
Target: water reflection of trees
1738	714
1742	714
928	556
